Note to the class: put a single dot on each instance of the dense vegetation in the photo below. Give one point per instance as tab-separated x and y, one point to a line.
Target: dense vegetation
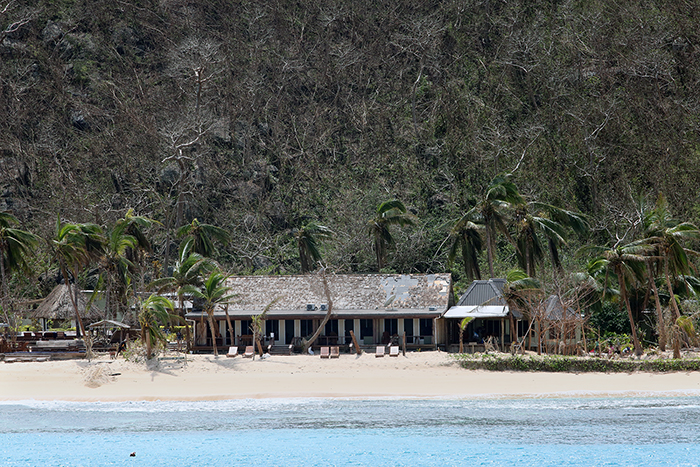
266	119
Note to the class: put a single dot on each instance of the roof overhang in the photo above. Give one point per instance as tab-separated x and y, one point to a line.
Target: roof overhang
320	314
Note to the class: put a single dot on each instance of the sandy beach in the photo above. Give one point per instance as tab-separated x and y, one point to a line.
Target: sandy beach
416	375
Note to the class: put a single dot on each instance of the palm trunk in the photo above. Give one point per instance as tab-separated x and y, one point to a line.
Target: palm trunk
74	300
674	305
210	318
3	299
149	346
660	325
623	290
461	338
327	291
489	249
230	326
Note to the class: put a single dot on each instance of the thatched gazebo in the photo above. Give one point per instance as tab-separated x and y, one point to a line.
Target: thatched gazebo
58	306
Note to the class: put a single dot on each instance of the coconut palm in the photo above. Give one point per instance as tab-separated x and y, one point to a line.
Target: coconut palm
627	264
462	326
154	312
525	293
115	265
665	235
189	270
307	242
214	292
492	212
15	245
533	220
465	236
388	213
199	238
74	247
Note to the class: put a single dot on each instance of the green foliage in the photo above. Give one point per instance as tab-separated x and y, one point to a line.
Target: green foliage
562	364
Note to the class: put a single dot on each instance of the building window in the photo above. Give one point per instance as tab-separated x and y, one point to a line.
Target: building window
426	327
245	327
307	327
391	326
366	328
272	326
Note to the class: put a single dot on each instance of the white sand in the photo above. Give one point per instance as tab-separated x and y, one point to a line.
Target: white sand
417	375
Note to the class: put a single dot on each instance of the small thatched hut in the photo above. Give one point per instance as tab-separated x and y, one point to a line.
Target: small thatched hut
58	306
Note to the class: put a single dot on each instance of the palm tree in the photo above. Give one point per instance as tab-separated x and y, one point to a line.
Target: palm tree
214	293
501	195
74	247
188	271
525	293
115	265
665	234
155	311
466	237
307	238
15	245
627	264
388	213
199	238
462	326
534	218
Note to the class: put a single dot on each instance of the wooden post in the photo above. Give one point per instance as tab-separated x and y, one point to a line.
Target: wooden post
354	341
404	343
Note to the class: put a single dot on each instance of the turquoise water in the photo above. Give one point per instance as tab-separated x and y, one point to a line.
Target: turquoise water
538	432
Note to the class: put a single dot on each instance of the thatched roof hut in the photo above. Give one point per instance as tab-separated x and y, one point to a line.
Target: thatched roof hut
58	305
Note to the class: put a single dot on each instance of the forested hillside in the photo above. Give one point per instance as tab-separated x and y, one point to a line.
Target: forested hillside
261	117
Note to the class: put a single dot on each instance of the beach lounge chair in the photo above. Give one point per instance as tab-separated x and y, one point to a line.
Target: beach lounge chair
232	352
335	351
325	352
380	352
249	351
394	351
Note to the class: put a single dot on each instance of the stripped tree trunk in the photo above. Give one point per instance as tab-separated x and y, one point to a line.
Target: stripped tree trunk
329	299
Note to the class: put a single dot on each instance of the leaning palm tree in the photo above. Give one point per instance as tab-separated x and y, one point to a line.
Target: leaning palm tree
465	236
15	246
627	264
388	213
665	235
155	312
74	247
199	238
492	212
214	292
307	242
534	220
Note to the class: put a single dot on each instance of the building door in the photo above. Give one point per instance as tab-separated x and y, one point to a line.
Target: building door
349	326
367	331
408	329
288	331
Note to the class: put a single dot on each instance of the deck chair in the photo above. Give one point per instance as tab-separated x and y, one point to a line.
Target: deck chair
325	352
380	352
335	351
394	351
232	352
249	351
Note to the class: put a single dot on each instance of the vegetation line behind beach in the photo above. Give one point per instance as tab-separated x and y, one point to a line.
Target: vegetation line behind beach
562	364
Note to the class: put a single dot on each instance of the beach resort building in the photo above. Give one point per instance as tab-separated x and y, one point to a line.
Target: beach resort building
377	308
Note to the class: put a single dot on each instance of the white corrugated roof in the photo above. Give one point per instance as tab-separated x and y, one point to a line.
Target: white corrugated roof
478	311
